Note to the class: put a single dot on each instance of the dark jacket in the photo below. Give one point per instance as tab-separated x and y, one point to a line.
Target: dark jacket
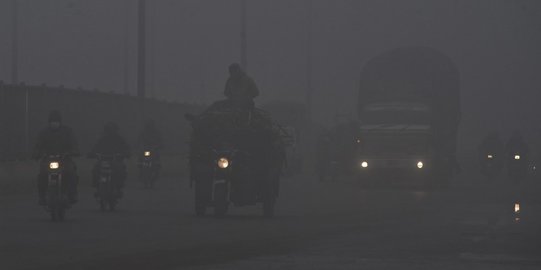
150	139
491	145
56	142
242	87
110	144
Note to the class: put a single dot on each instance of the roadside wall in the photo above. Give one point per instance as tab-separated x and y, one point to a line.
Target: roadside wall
25	111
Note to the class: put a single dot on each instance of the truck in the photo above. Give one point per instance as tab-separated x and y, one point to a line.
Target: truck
409	113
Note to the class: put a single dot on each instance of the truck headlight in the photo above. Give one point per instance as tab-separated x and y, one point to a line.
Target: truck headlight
420	164
517	157
364	164
54	165
147	153
223	163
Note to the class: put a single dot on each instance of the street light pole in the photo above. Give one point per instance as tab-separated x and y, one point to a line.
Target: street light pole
308	96
141	53
243	42
126	47
14	42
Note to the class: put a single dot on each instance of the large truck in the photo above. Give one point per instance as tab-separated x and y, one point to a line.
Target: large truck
409	112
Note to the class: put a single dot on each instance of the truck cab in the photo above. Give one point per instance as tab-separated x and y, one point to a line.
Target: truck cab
395	138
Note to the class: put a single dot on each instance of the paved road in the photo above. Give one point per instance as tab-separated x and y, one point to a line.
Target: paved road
318	226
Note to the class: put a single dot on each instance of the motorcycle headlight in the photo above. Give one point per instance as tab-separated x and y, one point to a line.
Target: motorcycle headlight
517	157
490	156
54	165
420	164
223	163
364	164
147	153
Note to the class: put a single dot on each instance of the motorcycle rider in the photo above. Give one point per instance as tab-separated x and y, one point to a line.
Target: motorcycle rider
240	88
57	139
112	143
150	139
492	145
518	154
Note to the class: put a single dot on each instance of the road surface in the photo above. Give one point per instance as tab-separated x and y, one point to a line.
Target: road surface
340	225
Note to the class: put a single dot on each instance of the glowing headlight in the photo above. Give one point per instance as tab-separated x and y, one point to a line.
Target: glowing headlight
54	165
364	164
517	207
517	157
420	164
490	156
147	153
223	163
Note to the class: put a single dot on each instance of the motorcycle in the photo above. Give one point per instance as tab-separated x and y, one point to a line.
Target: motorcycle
148	169
57	200
517	167
491	165
108	192
232	181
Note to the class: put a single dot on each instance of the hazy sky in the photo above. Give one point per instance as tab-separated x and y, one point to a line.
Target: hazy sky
495	43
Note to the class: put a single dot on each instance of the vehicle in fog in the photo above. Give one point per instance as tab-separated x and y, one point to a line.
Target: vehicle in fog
491	165
491	156
148	168
342	147
57	199
108	192
236	157
293	151
408	115
293	117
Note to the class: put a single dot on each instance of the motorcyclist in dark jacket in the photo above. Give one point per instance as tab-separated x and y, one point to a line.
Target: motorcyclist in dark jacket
150	138
240	88
112	143
57	139
492	143
492	148
517	155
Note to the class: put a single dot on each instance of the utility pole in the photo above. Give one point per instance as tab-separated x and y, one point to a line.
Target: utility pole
243	42
141	54
126	47
14	42
15	72
308	96
152	49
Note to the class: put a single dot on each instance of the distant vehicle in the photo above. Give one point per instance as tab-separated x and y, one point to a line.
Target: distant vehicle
236	157
409	111
491	164
107	189
343	137
292	116
57	200
293	151
148	168
518	167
